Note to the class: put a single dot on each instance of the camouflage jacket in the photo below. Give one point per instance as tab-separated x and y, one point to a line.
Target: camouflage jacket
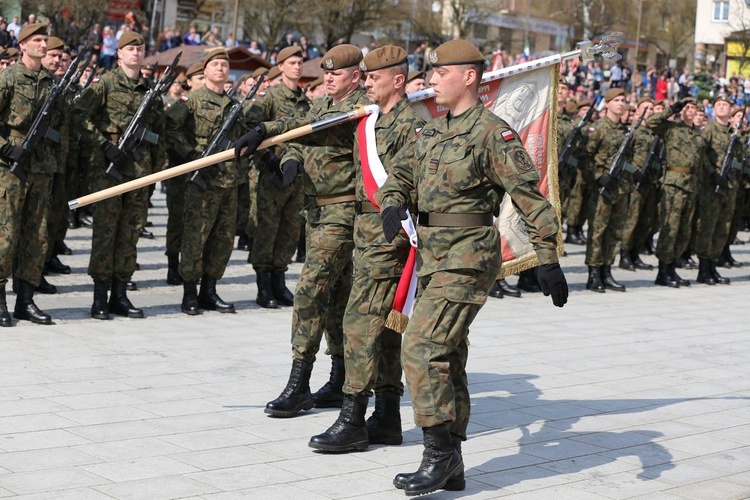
465	164
643	138
191	124
22	93
604	139
278	102
106	108
565	125
684	148
716	138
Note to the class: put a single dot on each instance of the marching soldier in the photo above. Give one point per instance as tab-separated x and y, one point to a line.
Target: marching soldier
605	225
726	259
25	206
210	213
576	210
679	184
106	108
325	281
457	171
278	205
372	349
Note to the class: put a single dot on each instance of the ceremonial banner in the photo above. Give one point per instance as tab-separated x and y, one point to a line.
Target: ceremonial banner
528	102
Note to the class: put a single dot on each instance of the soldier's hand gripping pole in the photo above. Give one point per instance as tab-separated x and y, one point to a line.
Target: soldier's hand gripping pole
227	155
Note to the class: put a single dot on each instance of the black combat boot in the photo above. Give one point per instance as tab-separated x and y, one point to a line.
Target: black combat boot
45	287
242	243
729	259
173	273
5	320
100	308
25	307
507	289
384	425
278	287
575	236
265	294
301	245
625	262
638	263
73	222
495	291
715	274
210	300
55	265
120	304
190	298
455	483
440	462
609	281
296	395
330	395
527	281
664	278
704	272
61	248
594	282
676	277
349	432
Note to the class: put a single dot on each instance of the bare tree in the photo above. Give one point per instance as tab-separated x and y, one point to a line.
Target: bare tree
84	12
670	26
338	20
590	18
270	20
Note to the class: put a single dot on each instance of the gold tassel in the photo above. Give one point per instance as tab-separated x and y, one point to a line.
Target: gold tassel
397	321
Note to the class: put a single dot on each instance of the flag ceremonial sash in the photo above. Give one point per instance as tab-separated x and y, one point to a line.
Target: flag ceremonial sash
528	102
374	176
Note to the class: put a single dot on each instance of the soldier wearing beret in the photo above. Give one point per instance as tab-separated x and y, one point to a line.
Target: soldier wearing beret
24	207
576	207
106	107
566	173
373	349
740	206
210	213
278	206
457	171
325	281
415	81
607	215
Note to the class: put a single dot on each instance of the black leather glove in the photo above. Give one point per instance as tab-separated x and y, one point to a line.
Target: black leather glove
193	155
677	107
392	217
272	161
552	280
291	169
248	143
114	155
13	153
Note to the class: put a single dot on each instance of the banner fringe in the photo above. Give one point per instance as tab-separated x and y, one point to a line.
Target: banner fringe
396	321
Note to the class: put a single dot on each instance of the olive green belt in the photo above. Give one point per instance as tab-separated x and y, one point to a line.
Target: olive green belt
333	199
365	207
454	220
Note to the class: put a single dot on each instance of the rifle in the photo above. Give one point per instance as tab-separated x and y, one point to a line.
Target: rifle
653	162
81	69
565	158
40	128
236	87
137	131
728	163
609	179
221	141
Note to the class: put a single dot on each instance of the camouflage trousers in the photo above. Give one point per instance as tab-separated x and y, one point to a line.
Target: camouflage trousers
117	227
675	223
714	219
210	217
605	229
322	291
641	219
278	218
175	213
24	207
435	347
251	218
740	213
575	212
57	220
566	183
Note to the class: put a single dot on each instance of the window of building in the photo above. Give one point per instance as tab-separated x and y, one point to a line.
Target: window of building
721	11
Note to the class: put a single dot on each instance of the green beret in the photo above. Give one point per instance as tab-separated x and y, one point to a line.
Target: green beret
645	99
721	98
130	38
287	52
383	57
659	102
571	107
194	69
217	53
413	75
315	83
735	110
54	43
612	93
583	103
11	52
150	66
273	73
341	56
454	52
259	71
32	29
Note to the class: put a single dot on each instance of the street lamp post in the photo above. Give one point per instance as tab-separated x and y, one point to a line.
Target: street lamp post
638	36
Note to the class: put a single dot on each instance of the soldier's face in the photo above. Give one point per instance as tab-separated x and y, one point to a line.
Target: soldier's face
451	83
52	60
86	75
196	81
132	55
34	47
380	85
582	112
736	119
688	113
645	110
658	109
217	71
64	64
617	105
721	109
340	82
4	63
415	85
292	68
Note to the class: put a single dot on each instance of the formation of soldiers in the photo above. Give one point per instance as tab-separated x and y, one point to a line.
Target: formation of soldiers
632	171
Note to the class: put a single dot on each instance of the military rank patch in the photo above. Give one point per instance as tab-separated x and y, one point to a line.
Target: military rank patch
184	98
95	80
522	160
591	129
418	130
507	135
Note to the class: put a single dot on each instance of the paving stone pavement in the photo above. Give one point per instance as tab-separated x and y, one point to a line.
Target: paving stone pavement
644	394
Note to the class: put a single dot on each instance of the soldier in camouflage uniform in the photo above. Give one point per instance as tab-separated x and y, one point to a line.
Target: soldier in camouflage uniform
278	205
457	171
715	211
575	210
106	108
210	212
740	177
325	281
176	188
372	349
608	216
24	205
641	209
684	148
566	176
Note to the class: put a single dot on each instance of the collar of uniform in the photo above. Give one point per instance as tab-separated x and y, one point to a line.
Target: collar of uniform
461	124
214	97
127	81
385	120
41	73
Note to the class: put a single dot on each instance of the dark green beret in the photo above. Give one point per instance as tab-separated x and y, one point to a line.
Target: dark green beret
383	57
341	56
130	38
455	52
32	29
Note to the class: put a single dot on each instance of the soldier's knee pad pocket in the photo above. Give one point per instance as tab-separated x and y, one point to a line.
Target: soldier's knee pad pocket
464	295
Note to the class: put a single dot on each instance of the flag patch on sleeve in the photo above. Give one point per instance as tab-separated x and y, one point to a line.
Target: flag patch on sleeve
507	135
